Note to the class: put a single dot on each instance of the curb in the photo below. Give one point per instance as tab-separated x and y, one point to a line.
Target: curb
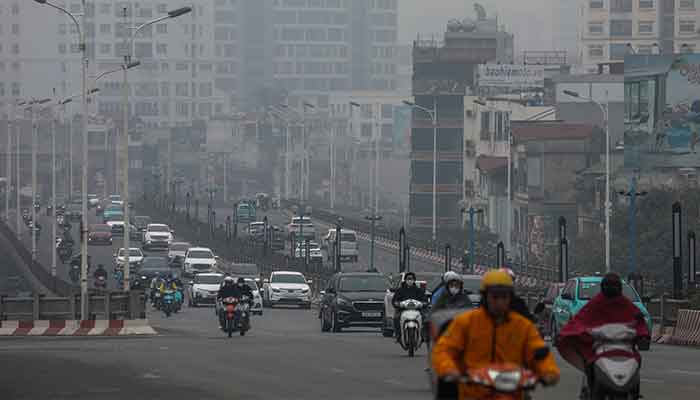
76	328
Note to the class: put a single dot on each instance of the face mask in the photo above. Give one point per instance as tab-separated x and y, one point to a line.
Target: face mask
454	290
410	282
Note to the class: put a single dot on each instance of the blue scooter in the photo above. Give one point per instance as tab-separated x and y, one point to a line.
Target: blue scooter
167	303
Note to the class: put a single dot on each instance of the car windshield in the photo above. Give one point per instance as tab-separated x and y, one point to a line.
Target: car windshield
251	284
288	278
200	254
180	246
115	197
158	228
363	284
586	291
132	253
141	220
208	279
113	209
100	228
348	237
154	262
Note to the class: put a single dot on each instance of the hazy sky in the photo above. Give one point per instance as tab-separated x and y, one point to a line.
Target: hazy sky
529	20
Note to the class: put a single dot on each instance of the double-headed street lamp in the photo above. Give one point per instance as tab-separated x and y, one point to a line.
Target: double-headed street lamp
433	115
125	125
607	205
84	247
632	193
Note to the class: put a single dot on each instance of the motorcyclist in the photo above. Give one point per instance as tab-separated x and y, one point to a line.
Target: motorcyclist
454	296
491	334
408	291
439	290
166	285
518	304
155	282
100	272
610	306
228	289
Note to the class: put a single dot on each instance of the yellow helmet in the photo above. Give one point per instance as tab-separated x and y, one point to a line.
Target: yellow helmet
496	278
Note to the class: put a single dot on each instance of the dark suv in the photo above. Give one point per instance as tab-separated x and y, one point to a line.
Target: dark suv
353	299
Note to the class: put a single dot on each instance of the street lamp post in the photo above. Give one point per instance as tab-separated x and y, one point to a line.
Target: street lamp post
125	125
633	194
280	115
373	219
607	205
433	115
471	211
84	66
35	134
17	177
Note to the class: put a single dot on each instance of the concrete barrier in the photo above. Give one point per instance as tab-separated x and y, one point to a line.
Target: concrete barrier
76	328
103	305
687	329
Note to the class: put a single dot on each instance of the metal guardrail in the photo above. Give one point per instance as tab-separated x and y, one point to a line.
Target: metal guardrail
111	305
9	240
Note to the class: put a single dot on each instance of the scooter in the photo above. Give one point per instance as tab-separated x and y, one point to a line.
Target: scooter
232	306
101	282
614	375
411	324
167	302
502	381
177	306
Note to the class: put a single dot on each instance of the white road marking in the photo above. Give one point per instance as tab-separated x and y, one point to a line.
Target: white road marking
149	375
654	381
393	382
337	370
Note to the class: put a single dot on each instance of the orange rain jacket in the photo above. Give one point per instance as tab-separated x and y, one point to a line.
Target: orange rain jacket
474	341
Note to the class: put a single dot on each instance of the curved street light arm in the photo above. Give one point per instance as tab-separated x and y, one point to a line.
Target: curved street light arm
68	13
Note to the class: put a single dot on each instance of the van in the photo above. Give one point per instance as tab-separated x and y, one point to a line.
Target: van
348	245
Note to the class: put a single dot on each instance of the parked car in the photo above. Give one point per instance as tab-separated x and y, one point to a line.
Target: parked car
353	299
100	234
577	292
543	309
287	287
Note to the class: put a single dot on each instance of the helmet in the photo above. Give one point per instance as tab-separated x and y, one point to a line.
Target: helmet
496	279
228	280
509	272
451	276
611	285
240	281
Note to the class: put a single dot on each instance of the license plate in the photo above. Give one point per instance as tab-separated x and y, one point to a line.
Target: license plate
370	314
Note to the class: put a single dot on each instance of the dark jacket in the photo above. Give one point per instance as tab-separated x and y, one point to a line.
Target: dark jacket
518	305
409	292
229	291
100	272
448	301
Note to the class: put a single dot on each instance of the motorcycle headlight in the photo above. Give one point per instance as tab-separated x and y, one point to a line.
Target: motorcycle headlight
505	381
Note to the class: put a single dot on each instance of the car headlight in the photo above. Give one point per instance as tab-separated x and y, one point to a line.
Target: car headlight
304	291
276	290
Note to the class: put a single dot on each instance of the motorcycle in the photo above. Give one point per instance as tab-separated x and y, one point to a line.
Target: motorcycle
74	273
232	307
503	381
167	302
614	375
155	298
101	282
411	325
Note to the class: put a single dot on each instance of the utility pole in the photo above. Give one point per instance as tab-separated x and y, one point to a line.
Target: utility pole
472	211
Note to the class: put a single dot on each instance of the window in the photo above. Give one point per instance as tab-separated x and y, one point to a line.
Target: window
686	26
162	8
181	67
162	49
15	29
143	50
624	6
105	48
646	4
205	67
15	9
206	90
162	28
15	48
687	48
686	4
622	27
105	28
181	89
485	125
618	51
595	28
164	89
646	27
61	48
105	8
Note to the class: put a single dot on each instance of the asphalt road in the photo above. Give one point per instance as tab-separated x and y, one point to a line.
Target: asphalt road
284	356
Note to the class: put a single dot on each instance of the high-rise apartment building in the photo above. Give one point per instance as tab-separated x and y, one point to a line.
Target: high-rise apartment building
608	26
173	85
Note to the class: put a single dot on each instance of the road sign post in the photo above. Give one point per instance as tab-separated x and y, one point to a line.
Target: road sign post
677	254
448	257
402	245
500	255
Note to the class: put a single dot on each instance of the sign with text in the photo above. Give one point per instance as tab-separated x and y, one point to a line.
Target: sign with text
511	75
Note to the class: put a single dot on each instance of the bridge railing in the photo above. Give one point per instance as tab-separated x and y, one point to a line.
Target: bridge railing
102	305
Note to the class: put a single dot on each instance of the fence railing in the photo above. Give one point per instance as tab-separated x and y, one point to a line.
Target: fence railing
112	305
